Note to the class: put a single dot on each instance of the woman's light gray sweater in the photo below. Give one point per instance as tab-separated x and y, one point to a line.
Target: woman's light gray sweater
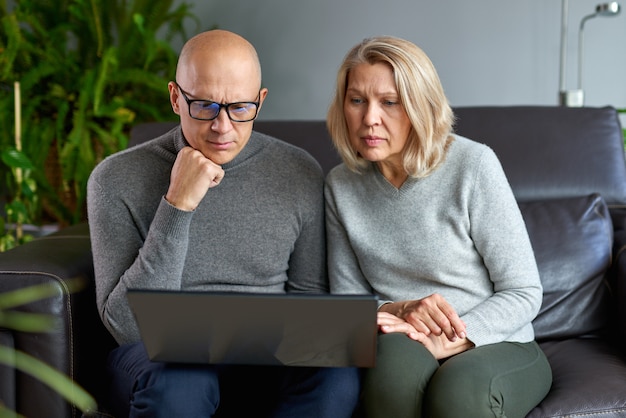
457	232
261	230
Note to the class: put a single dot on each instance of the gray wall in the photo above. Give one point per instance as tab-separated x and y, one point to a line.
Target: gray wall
487	52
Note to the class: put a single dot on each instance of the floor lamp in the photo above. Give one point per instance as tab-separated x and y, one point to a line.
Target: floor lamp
576	98
563	99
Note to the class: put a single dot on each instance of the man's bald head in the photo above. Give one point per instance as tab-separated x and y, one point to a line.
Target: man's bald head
216	46
220	67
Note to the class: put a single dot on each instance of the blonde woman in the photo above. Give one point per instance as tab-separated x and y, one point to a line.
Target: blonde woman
427	221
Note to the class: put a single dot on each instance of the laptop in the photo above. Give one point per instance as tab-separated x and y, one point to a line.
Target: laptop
257	329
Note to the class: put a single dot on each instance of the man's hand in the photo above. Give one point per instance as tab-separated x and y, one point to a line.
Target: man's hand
432	314
192	176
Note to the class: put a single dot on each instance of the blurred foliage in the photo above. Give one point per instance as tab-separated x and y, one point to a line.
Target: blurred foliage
20	209
88	70
23	321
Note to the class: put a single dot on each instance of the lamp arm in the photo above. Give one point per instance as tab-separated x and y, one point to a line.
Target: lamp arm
563	57
581	35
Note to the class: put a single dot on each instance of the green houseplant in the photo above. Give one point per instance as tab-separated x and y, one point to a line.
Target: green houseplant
88	70
85	71
19	209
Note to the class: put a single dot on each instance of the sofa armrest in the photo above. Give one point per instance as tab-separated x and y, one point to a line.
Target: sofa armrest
78	343
619	283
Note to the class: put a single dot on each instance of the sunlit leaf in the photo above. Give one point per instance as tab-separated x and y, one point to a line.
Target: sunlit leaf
30	294
27	322
62	384
16	159
7	413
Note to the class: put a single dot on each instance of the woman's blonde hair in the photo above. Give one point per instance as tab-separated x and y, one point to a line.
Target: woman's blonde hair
421	95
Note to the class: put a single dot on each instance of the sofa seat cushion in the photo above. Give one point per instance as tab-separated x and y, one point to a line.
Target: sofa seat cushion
588	379
572	239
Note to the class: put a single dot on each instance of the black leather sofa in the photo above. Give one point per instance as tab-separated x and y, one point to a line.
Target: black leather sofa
567	170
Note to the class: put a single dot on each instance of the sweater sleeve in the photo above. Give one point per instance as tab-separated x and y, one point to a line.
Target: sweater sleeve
127	257
307	262
500	236
344	273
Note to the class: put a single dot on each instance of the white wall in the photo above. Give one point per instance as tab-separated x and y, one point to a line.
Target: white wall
487	52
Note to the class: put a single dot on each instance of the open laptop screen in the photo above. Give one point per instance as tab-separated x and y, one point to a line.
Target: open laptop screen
320	330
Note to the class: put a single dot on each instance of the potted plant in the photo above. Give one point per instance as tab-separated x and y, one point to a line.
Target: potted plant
88	70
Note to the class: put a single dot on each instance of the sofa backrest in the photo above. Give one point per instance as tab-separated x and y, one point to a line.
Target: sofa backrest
553	152
546	151
311	135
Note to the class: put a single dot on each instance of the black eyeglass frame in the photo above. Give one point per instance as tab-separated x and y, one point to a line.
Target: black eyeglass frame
220	106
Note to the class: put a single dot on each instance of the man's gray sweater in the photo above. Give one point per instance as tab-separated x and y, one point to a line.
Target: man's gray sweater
457	232
260	230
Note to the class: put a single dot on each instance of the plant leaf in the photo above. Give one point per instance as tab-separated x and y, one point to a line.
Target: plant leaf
62	384
29	294
27	322
16	159
7	413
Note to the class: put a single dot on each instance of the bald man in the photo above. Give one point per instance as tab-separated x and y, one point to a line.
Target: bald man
211	206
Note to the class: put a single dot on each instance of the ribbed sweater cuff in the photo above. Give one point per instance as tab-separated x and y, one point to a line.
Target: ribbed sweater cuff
171	221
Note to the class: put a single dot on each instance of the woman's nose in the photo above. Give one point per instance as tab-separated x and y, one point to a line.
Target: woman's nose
372	115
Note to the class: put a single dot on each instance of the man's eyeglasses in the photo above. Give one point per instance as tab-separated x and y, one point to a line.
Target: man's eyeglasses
208	110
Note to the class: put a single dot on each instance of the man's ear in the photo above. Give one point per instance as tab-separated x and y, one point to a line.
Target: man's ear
262	96
174	96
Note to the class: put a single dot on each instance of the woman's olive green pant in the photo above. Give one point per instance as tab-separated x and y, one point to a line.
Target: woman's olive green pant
496	380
